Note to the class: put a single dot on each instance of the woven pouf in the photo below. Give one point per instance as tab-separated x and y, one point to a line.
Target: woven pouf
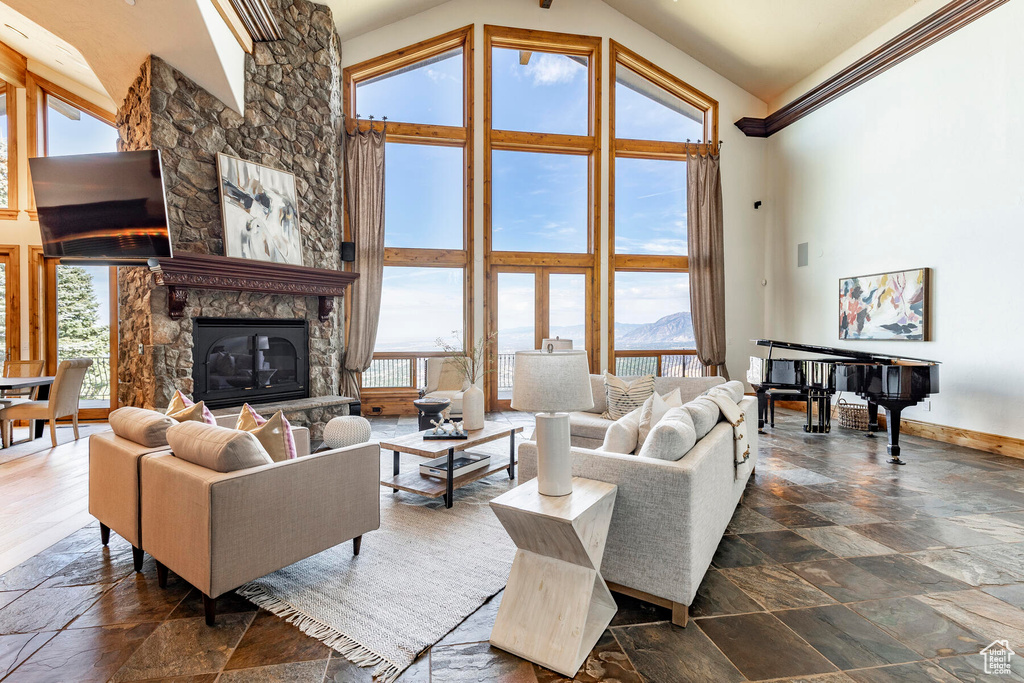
347	430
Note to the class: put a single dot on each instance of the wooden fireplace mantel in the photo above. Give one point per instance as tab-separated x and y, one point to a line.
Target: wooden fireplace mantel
205	271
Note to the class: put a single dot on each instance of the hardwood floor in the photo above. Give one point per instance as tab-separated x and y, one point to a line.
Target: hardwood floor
43	492
837	567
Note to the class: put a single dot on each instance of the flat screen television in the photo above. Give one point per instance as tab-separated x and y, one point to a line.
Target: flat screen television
102	207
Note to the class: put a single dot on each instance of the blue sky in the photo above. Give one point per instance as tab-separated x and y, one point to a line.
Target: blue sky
539	201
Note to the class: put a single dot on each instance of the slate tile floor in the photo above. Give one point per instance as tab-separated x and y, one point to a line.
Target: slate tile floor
837	567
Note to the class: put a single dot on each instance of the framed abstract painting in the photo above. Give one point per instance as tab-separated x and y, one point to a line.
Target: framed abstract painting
886	306
260	212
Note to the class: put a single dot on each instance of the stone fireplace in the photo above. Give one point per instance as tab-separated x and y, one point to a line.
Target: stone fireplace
292	121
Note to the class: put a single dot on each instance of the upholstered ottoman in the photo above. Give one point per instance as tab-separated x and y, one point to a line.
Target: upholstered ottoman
346	430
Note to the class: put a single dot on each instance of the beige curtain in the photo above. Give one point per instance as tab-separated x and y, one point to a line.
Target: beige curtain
364	190
707	258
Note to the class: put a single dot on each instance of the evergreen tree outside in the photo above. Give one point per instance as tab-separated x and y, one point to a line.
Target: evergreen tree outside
79	334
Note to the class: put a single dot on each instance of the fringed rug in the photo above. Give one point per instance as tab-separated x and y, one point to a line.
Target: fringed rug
416	578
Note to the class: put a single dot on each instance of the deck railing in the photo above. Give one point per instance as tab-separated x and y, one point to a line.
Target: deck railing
390	370
667	363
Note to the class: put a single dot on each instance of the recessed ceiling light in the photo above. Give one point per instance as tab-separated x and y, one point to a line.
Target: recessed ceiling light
130	2
20	33
64	50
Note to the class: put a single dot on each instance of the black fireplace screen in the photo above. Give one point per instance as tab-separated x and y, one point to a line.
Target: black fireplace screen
254	361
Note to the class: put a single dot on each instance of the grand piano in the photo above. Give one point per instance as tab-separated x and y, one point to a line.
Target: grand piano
892	382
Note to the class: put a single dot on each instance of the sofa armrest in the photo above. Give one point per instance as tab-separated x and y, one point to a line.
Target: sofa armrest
220	530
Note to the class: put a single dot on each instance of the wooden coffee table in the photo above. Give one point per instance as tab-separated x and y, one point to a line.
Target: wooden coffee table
433	487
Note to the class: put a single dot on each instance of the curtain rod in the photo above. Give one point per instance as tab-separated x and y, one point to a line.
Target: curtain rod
345	118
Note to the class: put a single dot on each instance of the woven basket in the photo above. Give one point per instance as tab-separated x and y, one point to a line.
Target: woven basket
852	415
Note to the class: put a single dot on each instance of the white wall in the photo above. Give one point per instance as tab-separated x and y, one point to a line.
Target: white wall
742	157
921	166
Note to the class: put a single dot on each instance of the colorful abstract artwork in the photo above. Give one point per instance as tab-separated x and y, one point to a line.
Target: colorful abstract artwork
891	306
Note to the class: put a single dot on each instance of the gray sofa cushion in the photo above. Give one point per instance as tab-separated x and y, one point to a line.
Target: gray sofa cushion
704	413
588	425
138	425
672	437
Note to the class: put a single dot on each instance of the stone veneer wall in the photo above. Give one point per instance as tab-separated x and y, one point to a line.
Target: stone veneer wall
293	122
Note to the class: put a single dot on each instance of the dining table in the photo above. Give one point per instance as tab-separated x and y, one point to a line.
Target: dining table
15	383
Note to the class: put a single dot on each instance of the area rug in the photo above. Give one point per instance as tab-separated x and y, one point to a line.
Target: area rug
416	578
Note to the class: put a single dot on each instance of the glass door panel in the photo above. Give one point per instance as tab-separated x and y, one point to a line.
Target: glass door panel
516	301
567	308
83	328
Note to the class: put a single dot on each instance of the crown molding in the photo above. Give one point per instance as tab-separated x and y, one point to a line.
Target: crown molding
929	30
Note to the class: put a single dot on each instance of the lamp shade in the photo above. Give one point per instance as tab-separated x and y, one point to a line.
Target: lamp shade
551	382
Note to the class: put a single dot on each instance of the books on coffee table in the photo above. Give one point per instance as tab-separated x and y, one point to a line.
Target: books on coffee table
464	463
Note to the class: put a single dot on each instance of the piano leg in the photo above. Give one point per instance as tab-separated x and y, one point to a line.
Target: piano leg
872	418
892	426
762	409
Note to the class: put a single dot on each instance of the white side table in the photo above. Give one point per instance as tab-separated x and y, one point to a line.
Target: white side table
556	605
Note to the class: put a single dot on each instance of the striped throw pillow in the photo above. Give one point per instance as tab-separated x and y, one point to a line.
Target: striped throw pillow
625	397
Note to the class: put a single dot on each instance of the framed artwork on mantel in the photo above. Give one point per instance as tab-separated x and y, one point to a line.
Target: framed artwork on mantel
886	306
259	211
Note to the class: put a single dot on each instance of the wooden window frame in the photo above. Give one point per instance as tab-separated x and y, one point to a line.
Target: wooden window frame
10	212
551	143
10	255
589	145
404	132
38	89
649	149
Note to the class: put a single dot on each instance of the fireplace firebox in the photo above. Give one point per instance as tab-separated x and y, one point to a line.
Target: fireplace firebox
249	361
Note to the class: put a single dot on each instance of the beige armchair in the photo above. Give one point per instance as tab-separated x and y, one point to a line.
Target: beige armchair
63	401
114	465
445	380
218	531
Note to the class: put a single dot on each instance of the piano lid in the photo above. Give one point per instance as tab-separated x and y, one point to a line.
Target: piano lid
839	354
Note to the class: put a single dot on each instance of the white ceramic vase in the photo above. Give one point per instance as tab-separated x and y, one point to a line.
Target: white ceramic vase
473	408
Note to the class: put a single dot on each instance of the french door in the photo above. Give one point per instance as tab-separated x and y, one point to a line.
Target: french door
80	312
527	304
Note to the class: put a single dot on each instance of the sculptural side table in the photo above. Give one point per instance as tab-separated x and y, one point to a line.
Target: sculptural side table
556	605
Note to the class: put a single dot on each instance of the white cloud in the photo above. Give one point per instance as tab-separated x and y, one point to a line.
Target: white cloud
546	69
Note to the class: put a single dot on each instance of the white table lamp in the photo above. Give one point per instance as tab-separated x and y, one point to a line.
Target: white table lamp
551	383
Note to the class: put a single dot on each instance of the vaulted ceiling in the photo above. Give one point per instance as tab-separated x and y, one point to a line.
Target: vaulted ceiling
764	46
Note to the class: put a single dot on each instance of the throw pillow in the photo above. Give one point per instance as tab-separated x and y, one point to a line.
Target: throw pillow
144	427
621	436
704	413
653	410
624	397
733	390
180	405
674	398
672	437
274	434
216	448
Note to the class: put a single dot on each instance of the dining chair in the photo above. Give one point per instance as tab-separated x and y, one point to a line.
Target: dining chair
22	368
63	401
